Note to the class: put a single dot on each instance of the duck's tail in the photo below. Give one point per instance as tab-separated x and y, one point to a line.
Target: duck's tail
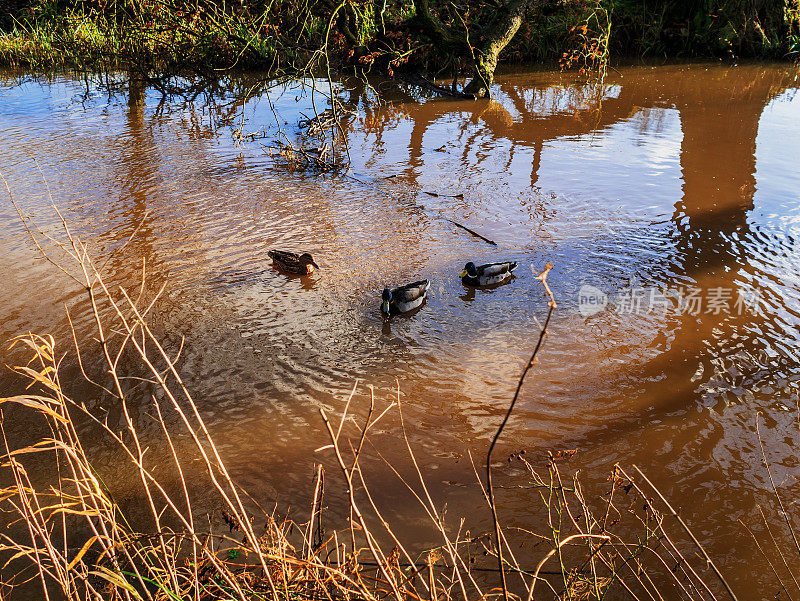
421	285
512	266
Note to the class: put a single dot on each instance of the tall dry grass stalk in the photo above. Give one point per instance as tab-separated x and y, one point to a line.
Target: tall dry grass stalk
72	537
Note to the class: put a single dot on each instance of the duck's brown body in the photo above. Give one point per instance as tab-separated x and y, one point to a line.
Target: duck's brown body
292	262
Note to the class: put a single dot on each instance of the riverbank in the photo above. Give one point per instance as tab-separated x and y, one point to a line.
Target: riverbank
284	37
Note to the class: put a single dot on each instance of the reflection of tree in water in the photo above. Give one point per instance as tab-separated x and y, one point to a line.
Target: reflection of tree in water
720	113
713	237
221	98
135	236
377	115
713	359
530	113
579	100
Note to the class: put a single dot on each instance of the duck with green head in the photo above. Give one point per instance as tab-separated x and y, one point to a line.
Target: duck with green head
404	298
488	274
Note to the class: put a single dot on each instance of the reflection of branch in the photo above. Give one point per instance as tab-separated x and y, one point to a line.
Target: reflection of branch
542	277
419	80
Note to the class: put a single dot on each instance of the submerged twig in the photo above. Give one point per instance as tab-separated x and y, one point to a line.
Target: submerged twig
426	209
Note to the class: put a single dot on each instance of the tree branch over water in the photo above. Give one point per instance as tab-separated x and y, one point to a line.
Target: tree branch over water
542	277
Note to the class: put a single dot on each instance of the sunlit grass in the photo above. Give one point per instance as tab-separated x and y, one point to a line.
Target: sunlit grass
153	35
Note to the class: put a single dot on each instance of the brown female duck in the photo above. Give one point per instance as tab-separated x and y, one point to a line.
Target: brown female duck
292	262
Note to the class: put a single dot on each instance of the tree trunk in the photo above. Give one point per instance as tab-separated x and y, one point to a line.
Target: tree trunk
500	33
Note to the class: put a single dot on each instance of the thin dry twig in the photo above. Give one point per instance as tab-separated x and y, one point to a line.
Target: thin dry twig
542	277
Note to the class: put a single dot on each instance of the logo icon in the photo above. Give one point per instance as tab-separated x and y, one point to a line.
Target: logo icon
591	300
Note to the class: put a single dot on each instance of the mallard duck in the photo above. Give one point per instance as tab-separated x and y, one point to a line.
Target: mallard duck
404	298
486	275
292	262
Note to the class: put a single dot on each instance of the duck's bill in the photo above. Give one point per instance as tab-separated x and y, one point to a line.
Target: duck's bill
464	273
315	265
385	307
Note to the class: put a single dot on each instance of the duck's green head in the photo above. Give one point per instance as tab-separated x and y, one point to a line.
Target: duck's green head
307	259
469	270
386	299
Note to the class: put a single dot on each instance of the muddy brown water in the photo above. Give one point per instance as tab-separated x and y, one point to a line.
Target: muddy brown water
660	180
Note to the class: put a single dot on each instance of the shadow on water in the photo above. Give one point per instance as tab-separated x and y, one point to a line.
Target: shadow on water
661	178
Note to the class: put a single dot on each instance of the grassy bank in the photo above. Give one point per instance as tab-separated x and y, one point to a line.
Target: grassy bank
281	36
154	35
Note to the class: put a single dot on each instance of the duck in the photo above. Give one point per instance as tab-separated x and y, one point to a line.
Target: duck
404	298
488	274
292	262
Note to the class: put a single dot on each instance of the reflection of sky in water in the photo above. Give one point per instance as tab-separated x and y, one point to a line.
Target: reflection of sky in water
775	218
626	164
777	197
